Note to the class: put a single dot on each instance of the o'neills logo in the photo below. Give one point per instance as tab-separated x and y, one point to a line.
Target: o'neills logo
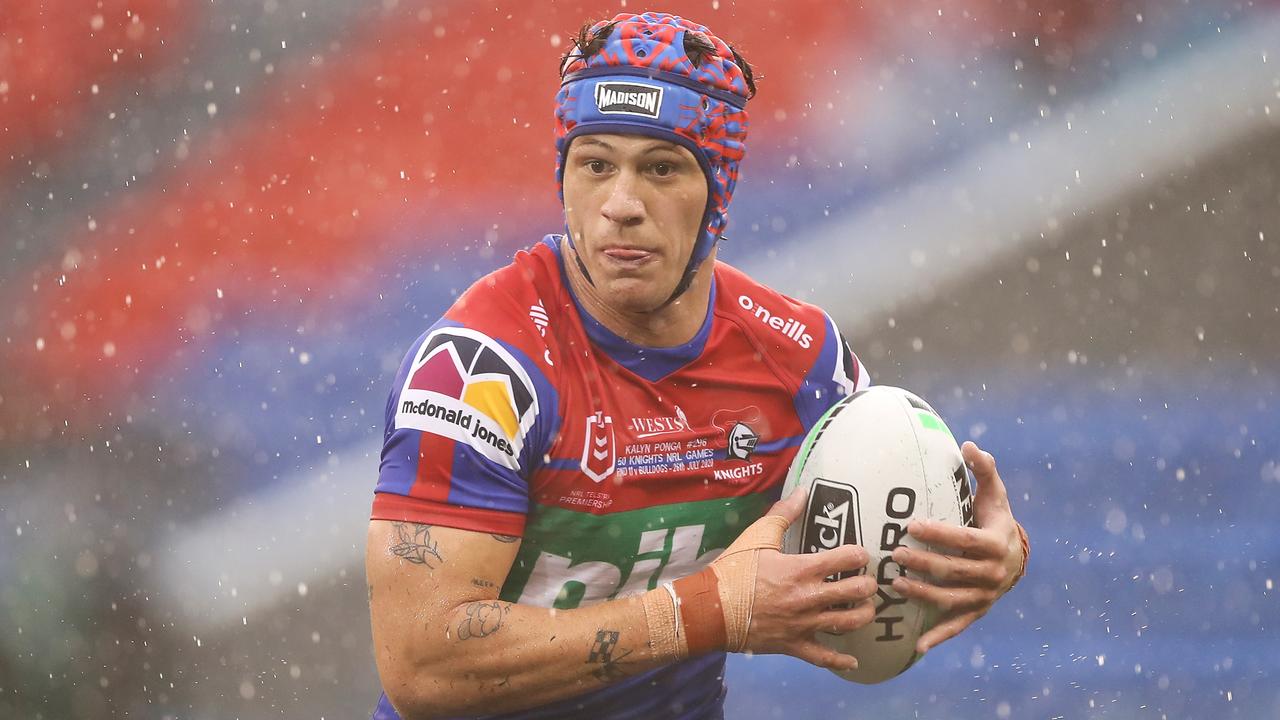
790	327
628	99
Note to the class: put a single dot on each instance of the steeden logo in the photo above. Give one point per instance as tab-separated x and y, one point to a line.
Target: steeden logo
831	520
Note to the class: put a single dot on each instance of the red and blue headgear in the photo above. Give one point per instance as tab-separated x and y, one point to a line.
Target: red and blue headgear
642	81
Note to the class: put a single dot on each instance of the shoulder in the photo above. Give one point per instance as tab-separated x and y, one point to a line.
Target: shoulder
798	338
510	302
784	324
490	347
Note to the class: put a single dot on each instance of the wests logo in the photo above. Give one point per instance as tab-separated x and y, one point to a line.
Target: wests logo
647	427
629	99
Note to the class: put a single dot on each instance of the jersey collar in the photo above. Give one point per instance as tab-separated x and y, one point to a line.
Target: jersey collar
650	363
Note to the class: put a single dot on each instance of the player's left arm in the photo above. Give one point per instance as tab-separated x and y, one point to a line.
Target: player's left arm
988	559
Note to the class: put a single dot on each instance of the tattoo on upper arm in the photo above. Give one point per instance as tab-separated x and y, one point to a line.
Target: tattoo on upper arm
606	653
414	543
483	619
505	538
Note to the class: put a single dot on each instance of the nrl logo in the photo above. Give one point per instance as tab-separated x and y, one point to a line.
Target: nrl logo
597	447
628	99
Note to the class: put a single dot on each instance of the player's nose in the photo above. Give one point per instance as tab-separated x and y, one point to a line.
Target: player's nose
624	205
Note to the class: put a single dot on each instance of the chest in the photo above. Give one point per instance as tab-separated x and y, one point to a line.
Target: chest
724	426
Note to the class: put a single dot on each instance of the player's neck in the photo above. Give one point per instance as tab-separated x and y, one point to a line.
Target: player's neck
673	324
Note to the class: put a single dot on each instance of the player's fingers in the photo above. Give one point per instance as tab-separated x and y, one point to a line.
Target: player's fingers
846	592
950	569
790	506
838	621
948	599
991	493
842	559
818	654
945	630
974	542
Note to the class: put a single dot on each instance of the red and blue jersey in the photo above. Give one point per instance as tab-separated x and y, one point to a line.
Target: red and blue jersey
621	467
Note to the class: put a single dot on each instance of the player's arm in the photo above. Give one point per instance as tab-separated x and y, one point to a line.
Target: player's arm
445	644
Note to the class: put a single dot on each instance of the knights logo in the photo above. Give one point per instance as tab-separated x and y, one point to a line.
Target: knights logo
742	442
739	426
597	447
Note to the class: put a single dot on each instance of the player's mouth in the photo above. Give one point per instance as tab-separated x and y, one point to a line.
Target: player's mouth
628	258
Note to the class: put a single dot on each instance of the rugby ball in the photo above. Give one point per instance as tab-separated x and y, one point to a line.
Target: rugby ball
874	461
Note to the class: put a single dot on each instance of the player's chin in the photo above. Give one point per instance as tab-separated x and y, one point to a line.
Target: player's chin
636	294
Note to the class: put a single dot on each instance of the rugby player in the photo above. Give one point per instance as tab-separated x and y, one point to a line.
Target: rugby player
573	513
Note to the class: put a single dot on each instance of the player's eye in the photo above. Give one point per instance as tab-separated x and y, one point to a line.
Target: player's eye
663	169
596	167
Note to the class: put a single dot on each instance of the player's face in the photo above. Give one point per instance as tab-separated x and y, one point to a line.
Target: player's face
634	207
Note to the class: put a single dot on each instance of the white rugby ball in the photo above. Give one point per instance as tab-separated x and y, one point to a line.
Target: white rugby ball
874	461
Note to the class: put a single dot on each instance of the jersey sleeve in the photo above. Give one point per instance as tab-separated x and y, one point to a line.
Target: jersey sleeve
836	372
468	419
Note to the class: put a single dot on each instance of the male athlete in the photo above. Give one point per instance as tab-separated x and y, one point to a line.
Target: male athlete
578	455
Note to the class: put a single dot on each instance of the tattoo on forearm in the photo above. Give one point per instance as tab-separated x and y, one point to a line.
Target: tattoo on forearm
414	543
505	538
483	619
606	653
481	582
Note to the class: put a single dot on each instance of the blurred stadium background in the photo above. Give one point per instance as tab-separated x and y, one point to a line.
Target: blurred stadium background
221	223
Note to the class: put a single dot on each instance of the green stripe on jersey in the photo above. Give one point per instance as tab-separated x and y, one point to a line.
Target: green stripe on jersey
569	558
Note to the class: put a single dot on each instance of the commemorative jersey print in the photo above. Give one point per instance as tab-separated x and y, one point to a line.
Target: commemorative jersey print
465	386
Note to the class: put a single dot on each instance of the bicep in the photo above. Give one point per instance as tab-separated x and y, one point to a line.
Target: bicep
418	575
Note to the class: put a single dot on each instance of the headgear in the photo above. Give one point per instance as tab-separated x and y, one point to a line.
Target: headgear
642	81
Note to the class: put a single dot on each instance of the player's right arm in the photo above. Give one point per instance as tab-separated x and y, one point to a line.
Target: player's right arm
446	645
468	420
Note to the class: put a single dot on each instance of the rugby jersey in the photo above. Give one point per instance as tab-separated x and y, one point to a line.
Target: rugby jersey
621	467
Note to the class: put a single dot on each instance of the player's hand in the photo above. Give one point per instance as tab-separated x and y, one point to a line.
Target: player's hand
986	563
792	601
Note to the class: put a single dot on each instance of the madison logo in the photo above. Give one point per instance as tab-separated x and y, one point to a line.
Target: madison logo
465	386
597	447
628	99
831	520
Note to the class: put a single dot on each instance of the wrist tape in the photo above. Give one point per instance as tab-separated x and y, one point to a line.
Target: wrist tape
711	610
1026	553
